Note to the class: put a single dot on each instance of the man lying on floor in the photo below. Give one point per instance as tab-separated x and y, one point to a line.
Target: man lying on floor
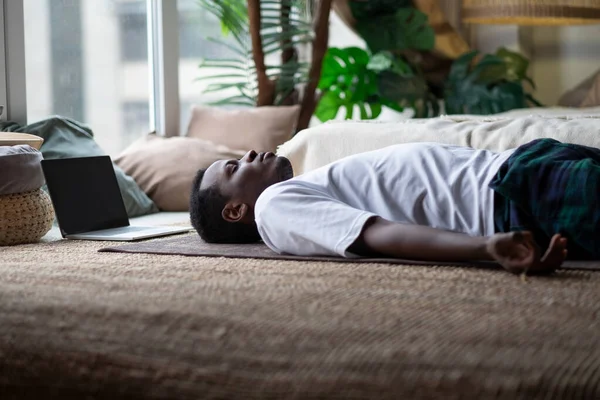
423	201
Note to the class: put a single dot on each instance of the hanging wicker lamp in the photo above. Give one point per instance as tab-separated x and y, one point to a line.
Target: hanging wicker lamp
531	12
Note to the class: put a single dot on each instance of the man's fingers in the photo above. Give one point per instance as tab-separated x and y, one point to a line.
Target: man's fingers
522	236
523	256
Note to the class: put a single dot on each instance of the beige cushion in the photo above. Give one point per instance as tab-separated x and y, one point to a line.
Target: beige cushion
165	167
592	97
259	128
585	94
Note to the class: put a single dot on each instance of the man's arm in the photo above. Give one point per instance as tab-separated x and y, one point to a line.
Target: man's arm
515	251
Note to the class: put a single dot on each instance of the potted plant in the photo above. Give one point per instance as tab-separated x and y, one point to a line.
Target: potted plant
395	70
261	29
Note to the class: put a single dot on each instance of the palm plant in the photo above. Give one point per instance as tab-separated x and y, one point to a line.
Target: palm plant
235	71
266	68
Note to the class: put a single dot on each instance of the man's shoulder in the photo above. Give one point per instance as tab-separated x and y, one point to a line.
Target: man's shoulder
274	191
287	192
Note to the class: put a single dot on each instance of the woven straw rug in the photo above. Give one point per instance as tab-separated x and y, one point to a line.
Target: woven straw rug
75	323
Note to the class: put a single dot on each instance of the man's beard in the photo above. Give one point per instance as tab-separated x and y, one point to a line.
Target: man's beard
284	169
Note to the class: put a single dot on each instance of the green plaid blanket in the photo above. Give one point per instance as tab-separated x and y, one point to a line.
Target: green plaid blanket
550	187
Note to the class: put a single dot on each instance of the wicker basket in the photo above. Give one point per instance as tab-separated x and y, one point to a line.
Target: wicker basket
25	217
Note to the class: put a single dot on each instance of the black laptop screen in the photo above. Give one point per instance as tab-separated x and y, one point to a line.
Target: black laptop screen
85	194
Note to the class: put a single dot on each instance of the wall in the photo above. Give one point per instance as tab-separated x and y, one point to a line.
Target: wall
562	57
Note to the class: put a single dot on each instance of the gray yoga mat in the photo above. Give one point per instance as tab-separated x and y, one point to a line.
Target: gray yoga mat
192	245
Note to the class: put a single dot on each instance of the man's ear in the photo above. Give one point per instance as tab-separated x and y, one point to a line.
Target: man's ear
235	212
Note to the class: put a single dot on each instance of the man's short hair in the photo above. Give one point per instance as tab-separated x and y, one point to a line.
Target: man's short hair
206	207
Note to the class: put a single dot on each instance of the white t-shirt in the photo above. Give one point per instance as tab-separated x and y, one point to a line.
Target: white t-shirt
323	211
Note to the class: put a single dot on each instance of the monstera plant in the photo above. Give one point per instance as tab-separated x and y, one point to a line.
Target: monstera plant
491	85
381	75
391	71
347	82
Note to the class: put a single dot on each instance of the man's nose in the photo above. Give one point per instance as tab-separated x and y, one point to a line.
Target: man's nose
251	155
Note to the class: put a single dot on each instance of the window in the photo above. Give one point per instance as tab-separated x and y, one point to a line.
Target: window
133	30
195	27
135	113
87	60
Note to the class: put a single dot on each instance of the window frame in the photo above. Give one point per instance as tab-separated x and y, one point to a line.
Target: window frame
13	94
3	99
163	59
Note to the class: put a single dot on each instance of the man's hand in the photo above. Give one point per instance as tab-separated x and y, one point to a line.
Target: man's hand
518	253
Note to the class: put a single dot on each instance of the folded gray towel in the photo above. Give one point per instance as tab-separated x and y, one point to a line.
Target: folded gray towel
20	169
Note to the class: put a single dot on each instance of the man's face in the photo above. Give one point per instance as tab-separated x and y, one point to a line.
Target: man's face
245	179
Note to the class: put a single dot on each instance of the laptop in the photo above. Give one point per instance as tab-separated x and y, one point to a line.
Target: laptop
88	203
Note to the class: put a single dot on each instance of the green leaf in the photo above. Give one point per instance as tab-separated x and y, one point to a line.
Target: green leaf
358	56
276	47
328	106
237	48
489	70
222	61
277	36
385	60
381	61
362	9
233	15
392	104
460	67
220	76
363	111
396	87
330	71
369	110
239	66
275	19
216	87
346	82
408	28
349	111
516	64
482	89
375	110
344	67
508	96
